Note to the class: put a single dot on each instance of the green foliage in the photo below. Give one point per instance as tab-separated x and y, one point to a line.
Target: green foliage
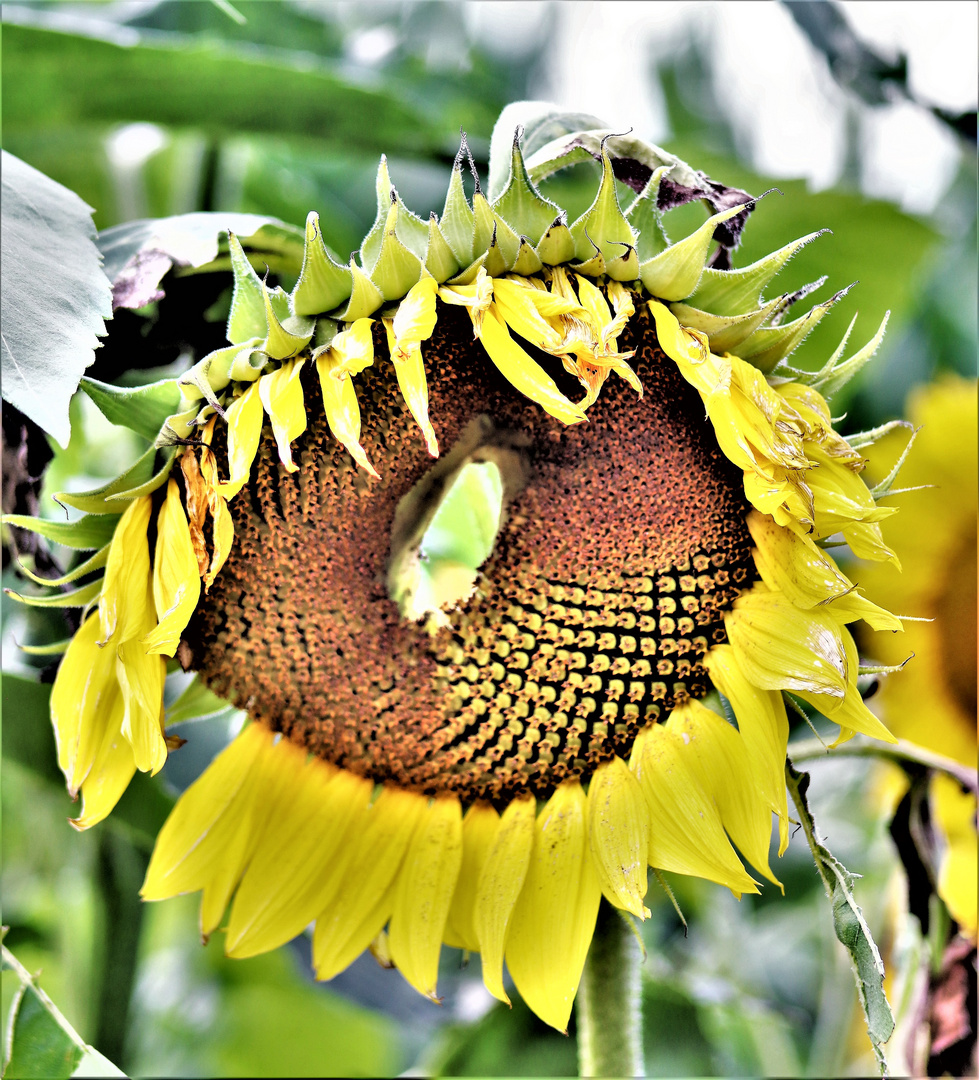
53	79
55	296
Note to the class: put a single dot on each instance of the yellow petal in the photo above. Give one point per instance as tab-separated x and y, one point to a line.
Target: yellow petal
596	306
479	829
851	713
500	882
110	774
222	539
955	811
618	828
687	348
365	897
780	647
141	682
518	306
685	832
763	726
83	697
176	582
720	759
415	318
349	353
282	396
523	372
424	891
122	606
342	409
244	433
410	370
554	918
294	868
197	494
212	821
477	296
792	564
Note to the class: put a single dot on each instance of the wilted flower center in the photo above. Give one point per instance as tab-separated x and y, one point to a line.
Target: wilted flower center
622	542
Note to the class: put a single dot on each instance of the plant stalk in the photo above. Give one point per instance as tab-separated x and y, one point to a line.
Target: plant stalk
609	1006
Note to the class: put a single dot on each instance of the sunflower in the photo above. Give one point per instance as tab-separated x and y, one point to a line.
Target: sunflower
509	535
932	702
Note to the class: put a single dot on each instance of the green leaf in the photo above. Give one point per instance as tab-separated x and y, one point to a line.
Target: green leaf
55	296
40	1041
39	1046
76	598
85	534
141	409
54	79
196	703
139	253
848	922
138	479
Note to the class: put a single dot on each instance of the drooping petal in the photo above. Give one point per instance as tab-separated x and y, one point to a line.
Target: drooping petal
764	727
294	868
365	898
476	296
792	564
350	352
721	761
554	918
244	432
850	713
500	883
479	829
109	776
281	393
424	891
523	372
207	838
176	582
222	537
520	308
141	678
410	370
685	830
780	647
618	829
415	318
83	697
122	606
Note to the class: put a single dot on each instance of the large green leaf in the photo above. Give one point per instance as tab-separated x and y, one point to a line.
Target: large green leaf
55	79
40	1043
55	295
140	408
138	253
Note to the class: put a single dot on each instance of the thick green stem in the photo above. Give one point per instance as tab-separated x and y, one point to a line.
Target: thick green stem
609	1008
121	867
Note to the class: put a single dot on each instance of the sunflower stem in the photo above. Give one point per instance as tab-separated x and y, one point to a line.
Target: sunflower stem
609	1008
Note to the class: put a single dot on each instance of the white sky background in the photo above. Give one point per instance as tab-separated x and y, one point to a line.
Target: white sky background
788	113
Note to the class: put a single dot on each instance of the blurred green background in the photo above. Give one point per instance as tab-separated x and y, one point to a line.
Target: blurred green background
155	108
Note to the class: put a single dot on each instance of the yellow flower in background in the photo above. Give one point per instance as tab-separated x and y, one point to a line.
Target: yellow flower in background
932	701
487	670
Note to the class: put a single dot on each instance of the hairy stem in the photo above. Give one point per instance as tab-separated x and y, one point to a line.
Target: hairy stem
610	1001
899	752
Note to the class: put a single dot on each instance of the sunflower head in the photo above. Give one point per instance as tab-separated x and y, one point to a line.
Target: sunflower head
509	535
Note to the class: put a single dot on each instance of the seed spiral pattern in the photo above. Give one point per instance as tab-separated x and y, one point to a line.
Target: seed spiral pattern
608	582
